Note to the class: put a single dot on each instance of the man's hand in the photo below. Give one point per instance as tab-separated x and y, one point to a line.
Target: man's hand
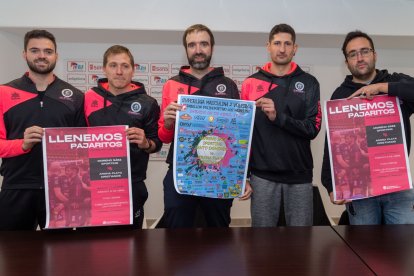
170	113
247	191
137	136
268	107
31	137
338	202
370	91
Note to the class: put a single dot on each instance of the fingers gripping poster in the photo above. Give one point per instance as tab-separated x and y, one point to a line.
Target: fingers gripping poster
87	177
212	145
367	147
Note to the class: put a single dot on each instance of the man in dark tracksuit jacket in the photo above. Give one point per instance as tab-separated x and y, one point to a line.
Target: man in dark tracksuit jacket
27	105
196	79
360	57
118	100
288	117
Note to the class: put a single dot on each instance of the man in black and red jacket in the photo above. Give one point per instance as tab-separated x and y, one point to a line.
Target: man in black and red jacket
288	117
367	81
117	100
197	79
37	100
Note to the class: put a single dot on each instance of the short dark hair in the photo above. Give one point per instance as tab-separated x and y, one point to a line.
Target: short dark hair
39	34
198	28
115	50
282	28
355	34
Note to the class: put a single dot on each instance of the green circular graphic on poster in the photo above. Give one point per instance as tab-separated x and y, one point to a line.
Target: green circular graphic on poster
211	149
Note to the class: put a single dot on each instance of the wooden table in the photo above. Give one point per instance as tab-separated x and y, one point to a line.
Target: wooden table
196	252
386	249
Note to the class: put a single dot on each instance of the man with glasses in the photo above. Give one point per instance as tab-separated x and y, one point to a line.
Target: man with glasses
28	104
366	81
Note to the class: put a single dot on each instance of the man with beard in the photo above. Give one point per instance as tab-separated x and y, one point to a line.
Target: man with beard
360	57
288	117
197	79
37	100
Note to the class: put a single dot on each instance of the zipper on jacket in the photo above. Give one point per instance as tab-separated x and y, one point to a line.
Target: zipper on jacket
40	95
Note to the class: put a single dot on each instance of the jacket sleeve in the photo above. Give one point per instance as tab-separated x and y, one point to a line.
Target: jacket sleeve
310	126
8	148
245	90
165	135
235	91
151	126
403	89
402	86
244	95
326	175
80	118
11	148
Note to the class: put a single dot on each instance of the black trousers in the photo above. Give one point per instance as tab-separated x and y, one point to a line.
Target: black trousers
22	209
180	210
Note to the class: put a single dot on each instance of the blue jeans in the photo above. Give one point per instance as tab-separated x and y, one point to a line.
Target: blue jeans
394	208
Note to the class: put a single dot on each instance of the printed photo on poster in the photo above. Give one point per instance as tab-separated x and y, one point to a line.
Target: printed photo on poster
212	145
87	177
367	147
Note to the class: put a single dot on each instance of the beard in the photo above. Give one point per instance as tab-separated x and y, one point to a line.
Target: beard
41	70
199	65
362	75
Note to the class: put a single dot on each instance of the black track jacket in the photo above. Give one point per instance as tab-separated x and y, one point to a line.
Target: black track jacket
213	84
135	109
400	85
281	149
21	106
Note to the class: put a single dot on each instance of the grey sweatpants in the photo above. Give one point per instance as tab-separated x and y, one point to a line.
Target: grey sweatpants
266	199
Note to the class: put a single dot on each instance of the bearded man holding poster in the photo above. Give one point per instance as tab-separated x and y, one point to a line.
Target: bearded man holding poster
196	79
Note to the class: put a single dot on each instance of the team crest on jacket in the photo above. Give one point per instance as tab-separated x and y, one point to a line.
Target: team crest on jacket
135	107
67	93
221	89
299	86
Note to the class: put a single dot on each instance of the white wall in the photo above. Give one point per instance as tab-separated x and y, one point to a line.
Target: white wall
11	60
384	17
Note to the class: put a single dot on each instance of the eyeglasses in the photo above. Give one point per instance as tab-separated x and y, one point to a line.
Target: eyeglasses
364	52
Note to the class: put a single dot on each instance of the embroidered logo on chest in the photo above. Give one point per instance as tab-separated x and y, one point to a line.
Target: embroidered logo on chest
136	107
299	87
67	93
221	89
